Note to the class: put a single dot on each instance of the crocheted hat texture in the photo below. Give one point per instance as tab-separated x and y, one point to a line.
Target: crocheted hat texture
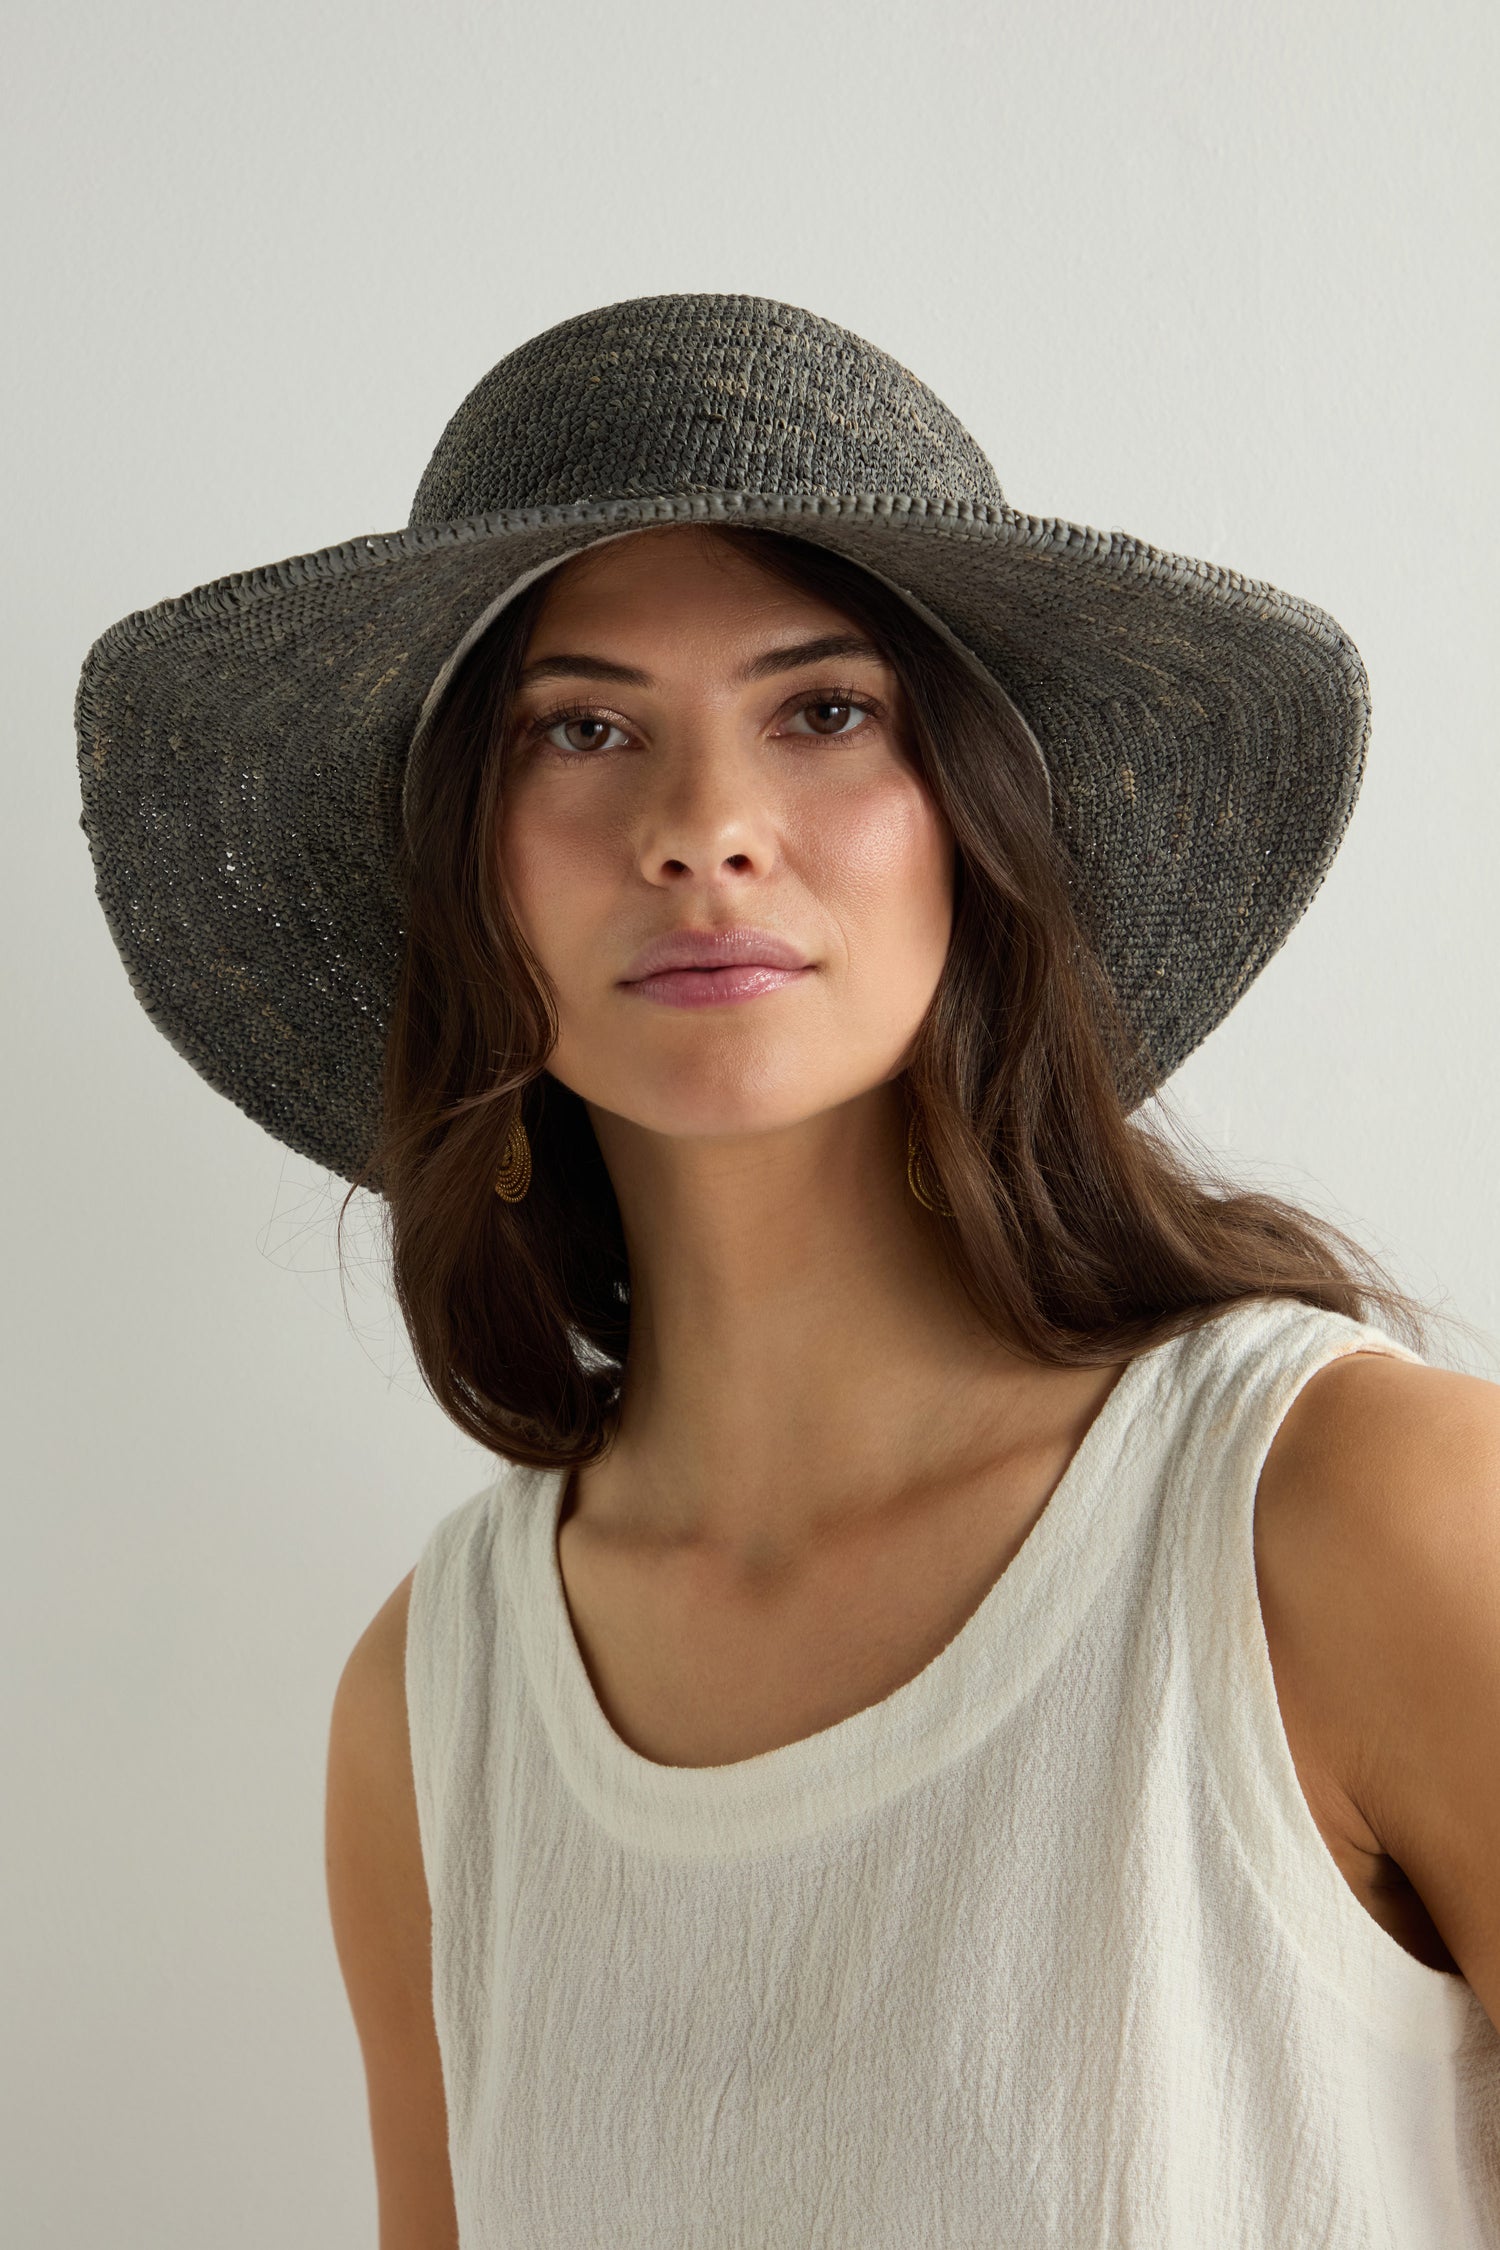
242	747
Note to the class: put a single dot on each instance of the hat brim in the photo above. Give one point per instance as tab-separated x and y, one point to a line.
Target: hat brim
242	750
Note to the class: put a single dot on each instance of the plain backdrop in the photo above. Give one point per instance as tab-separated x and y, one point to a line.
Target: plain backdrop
1219	276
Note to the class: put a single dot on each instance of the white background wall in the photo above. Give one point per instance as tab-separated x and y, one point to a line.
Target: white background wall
1222	276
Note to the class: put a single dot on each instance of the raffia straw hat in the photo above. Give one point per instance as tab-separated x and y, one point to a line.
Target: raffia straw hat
243	747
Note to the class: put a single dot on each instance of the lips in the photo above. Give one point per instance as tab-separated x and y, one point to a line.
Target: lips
710	968
713	949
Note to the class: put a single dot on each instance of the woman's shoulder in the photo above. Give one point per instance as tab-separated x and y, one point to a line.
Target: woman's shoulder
1377	1553
1386	1440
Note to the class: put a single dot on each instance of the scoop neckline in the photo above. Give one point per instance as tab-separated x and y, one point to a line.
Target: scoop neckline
799	1789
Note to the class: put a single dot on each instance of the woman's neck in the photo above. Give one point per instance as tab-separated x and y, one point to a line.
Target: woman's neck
800	1351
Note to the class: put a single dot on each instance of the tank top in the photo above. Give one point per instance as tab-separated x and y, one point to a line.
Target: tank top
1044	1950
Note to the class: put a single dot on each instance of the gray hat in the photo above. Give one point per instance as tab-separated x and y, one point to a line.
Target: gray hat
242	748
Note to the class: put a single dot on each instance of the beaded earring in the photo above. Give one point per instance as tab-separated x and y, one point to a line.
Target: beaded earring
514	1176
919	1175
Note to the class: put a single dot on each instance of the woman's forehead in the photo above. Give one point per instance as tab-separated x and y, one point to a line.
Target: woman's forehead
665	578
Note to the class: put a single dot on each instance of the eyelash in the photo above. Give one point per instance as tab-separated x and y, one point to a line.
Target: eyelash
540	728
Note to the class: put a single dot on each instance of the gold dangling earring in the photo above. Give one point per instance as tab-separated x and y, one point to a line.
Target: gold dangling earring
514	1176
919	1177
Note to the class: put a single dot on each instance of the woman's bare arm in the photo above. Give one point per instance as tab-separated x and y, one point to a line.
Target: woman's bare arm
377	1894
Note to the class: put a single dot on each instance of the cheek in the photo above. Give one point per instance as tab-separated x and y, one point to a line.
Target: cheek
881	861
551	863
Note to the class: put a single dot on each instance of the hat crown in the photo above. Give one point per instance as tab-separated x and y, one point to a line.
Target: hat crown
682	394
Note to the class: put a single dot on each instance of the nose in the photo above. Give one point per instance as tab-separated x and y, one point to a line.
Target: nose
706	820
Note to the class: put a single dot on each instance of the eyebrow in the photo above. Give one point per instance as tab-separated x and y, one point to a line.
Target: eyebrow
762	667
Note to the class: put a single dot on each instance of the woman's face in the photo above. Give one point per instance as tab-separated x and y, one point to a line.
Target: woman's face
691	771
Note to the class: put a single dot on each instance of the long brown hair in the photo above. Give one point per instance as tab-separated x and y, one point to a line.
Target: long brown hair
1080	1232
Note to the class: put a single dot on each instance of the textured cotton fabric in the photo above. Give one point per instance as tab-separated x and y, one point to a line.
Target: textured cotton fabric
1042	1949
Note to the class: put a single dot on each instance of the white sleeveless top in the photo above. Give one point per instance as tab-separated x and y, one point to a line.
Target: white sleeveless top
1044	1950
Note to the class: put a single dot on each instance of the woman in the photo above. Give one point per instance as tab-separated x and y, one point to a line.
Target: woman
971	1715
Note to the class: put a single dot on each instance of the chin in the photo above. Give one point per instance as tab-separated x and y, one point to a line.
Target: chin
719	1116
696	1101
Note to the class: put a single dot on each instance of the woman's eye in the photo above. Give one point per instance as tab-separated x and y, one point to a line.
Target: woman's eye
828	717
583	732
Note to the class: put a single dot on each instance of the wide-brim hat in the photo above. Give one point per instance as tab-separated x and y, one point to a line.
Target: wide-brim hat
243	747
